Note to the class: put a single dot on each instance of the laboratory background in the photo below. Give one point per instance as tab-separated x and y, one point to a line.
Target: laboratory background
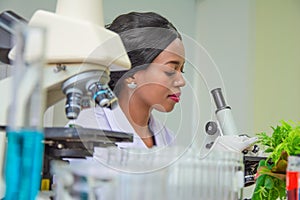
252	46
253	43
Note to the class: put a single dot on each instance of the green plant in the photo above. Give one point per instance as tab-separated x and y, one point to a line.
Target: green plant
284	141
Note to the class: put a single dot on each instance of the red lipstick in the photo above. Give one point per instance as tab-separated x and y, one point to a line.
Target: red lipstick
175	97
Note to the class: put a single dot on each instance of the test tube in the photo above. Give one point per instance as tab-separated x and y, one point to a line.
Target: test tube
24	153
292	176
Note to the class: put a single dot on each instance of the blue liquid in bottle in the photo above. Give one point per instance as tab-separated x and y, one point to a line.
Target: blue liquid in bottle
25	148
23	164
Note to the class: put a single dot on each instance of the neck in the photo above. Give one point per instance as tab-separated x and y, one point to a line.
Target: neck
138	115
136	111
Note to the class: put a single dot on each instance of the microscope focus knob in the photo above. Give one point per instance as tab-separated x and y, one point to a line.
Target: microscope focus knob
211	128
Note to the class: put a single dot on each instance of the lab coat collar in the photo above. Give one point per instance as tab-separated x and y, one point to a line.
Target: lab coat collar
158	130
119	122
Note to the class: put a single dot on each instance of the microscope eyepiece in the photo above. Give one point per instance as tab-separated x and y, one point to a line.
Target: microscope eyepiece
219	99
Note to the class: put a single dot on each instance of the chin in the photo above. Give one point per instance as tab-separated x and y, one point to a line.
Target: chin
161	108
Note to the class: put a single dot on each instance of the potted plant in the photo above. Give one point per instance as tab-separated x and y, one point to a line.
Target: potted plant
271	172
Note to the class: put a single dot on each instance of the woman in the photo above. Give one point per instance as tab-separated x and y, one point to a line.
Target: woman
156	53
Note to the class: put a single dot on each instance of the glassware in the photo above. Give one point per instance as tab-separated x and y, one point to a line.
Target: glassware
24	153
218	176
292	178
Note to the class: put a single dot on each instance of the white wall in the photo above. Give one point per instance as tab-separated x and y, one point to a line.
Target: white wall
277	63
225	29
28	7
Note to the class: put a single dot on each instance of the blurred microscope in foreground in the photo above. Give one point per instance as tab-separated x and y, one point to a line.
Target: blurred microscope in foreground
79	55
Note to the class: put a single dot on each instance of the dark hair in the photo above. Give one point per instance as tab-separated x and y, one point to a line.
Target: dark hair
145	36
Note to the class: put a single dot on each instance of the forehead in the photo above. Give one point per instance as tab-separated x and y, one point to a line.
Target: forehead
175	51
176	47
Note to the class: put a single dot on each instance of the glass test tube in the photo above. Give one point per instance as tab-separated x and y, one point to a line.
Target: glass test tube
24	153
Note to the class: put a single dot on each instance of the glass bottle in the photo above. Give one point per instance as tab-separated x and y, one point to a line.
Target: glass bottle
24	153
292	176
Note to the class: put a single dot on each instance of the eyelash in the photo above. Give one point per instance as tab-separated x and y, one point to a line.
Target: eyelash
173	72
170	73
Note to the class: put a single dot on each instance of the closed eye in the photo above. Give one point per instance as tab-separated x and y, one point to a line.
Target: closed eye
176	65
170	73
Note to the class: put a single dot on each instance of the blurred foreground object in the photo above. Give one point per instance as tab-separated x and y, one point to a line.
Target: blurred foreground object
24	152
172	173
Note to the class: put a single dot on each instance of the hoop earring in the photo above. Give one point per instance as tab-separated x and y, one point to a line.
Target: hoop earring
132	85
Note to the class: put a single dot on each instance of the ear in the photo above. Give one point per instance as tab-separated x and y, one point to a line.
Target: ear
137	76
130	79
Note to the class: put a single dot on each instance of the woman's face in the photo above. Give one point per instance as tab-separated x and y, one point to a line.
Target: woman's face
159	85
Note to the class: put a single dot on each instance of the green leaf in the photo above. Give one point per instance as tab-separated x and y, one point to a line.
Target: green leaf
269	150
262	163
259	188
273	194
269	183
260	180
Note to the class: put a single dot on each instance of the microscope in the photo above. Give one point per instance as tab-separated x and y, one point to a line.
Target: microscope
79	55
222	135
224	124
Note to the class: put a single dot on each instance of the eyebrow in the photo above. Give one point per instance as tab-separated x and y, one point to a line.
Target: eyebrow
175	62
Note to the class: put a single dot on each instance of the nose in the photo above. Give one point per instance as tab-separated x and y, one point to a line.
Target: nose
180	81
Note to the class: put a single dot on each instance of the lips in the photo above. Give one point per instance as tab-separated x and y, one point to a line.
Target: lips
175	97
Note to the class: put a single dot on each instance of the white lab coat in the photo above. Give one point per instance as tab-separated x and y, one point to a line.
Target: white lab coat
115	120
